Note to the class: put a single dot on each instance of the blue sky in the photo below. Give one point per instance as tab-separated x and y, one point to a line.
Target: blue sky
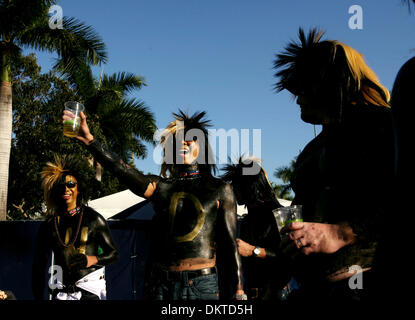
217	56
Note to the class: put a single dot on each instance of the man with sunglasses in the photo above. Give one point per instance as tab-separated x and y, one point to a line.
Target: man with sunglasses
78	236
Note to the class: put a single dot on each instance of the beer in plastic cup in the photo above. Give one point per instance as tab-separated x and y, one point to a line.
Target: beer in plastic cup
287	215
71	126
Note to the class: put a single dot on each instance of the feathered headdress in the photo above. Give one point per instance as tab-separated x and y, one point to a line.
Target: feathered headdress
251	187
189	127
332	68
235	171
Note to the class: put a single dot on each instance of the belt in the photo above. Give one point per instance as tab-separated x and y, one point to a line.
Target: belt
178	275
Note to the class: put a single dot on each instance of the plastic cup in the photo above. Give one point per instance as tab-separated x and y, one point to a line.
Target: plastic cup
287	215
71	126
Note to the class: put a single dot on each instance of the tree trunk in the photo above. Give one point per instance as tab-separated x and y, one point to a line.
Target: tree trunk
5	143
98	172
5	128
98	168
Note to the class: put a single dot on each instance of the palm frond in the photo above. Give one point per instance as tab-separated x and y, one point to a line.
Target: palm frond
123	82
74	43
135	148
409	3
283	173
282	191
18	15
80	77
133	115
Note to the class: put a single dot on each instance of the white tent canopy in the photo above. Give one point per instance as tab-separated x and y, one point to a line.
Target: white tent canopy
109	206
112	204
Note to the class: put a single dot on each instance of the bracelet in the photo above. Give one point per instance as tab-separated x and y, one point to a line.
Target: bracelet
240	296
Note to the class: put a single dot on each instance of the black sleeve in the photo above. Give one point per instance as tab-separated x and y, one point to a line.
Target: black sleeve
269	239
272	237
368	168
270	250
110	253
136	181
270	253
40	261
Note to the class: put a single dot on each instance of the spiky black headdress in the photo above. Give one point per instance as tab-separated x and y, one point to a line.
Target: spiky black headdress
248	187
191	128
335	72
294	59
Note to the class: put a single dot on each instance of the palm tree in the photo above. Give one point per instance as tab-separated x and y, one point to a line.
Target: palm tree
283	191
25	24
408	3
124	122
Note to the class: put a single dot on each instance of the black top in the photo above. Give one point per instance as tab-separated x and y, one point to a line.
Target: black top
195	214
259	229
396	245
403	110
92	239
345	175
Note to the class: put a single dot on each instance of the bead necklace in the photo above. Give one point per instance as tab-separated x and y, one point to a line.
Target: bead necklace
77	231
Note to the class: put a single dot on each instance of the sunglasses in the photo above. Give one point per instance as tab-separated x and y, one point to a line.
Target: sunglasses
69	184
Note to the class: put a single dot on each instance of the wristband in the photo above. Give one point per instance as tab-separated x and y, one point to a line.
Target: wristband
242	296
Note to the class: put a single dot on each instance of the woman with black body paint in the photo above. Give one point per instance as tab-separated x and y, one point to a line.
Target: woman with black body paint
195	214
78	236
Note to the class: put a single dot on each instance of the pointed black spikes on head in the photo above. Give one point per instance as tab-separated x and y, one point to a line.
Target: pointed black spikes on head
196	121
292	56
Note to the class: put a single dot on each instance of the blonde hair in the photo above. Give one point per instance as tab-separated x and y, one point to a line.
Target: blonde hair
312	60
366	80
51	173
54	173
166	136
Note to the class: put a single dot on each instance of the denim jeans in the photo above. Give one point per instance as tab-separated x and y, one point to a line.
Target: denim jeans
204	287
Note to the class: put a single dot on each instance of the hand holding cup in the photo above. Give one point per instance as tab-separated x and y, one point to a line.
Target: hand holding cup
310	237
72	119
81	132
286	215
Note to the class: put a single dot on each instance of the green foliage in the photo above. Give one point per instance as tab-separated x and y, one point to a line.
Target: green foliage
283	190
25	24
38	101
107	99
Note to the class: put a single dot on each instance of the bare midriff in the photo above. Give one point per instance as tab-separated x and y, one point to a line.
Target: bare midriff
191	264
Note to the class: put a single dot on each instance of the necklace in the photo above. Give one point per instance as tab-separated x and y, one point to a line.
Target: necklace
74	211
190	173
185	176
76	235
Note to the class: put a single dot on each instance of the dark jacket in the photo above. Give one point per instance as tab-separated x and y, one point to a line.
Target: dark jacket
344	175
